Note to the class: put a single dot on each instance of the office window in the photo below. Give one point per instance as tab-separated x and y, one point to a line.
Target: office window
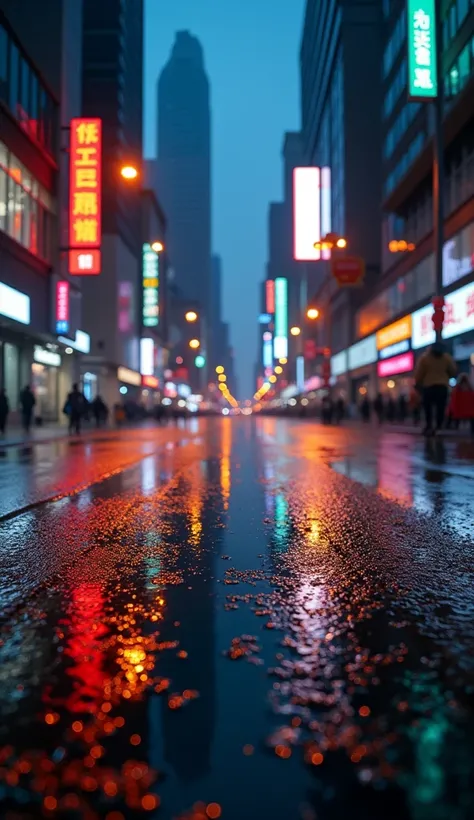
14	77
24	101
26	208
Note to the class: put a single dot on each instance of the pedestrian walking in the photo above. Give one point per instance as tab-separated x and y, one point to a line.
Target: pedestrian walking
415	405
379	408
27	403
432	375
4	411
99	411
365	410
75	408
461	403
340	410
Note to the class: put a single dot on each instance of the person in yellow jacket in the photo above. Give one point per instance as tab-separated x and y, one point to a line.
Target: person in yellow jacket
433	372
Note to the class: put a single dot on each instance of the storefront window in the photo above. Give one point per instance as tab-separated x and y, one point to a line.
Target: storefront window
11	373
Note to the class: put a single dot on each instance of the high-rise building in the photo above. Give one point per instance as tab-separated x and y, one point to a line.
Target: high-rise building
184	167
112	58
341	96
399	313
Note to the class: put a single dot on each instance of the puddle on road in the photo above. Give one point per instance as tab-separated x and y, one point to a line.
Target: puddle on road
252	643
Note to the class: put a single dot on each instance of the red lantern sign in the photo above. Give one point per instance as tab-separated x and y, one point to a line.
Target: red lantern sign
348	271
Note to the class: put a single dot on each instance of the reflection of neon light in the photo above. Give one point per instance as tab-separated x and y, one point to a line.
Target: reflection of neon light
281	523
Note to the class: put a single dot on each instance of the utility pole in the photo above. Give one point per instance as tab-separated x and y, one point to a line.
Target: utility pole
438	177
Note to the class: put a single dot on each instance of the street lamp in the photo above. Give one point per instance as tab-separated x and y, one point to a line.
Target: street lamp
191	316
328	242
295	331
278	369
194	344
129	172
219	369
157	246
312	314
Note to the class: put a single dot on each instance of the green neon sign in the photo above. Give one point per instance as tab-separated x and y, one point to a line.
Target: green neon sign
422	76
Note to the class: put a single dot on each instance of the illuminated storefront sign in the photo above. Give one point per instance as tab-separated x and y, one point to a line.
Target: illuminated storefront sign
394	350
270	296
85	196
311	212
300	373
267	355
151	382
147	357
362	353
81	341
397	332
394	367
458	256
264	319
458	318
150	283
47	357
339	363
422	80
14	304
280	342
127	376
62	307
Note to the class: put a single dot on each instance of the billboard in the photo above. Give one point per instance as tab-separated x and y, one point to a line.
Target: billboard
458	318
280	343
85	196
147	357
150	284
422	75
311	212
396	332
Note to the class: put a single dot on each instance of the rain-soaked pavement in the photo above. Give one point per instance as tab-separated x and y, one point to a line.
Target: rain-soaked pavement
237	619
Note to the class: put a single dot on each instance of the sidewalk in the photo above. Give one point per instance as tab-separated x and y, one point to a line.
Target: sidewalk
16	436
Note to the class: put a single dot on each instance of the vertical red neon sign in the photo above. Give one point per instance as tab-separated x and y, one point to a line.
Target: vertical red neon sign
62	307
270	296
85	196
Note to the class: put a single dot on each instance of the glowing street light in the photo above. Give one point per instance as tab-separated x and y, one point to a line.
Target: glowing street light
272	379
284	360
278	369
194	344
312	314
219	369
328	242
222	377
129	172
191	316
158	247
295	331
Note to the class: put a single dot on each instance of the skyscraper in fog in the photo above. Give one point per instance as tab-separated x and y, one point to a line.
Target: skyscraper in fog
184	167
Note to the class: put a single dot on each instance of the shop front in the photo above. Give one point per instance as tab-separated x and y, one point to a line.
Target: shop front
458	328
396	360
44	382
361	360
339	381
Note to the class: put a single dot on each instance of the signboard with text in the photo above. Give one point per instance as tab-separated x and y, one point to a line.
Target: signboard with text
150	283
62	307
348	271
85	197
458	318
422	76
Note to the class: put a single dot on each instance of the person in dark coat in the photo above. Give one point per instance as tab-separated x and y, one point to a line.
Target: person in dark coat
76	405
99	411
27	403
4	411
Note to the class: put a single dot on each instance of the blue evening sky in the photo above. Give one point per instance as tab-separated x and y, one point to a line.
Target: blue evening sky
251	50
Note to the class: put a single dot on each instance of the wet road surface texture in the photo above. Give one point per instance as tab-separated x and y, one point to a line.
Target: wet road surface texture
237	619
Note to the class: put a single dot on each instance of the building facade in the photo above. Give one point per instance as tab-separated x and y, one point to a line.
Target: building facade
341	98
39	93
184	169
112	89
393	327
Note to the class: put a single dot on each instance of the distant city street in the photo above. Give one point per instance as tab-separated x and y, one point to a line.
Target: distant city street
242	618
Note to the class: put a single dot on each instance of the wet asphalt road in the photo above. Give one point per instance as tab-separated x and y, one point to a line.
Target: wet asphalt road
237	619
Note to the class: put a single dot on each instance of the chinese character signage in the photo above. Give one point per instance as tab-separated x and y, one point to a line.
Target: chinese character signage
62	307
458	318
150	273
422	79
85	196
